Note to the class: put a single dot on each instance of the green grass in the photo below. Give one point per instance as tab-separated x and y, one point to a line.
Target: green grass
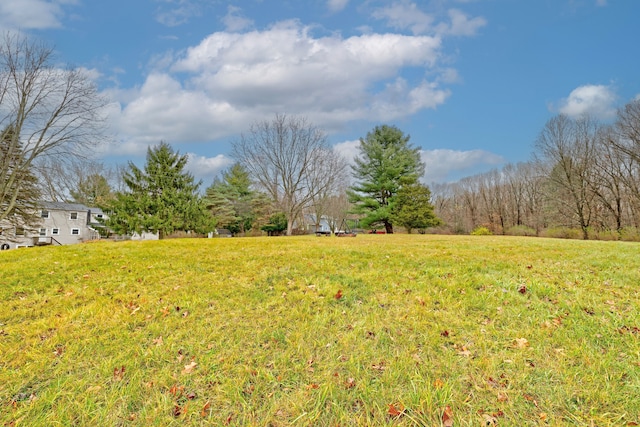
505	330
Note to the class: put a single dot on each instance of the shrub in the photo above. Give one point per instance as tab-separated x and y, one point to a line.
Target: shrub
630	234
603	234
481	231
521	230
562	233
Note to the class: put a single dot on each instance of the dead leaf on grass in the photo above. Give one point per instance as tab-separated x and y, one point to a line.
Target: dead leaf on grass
521	342
464	351
489	420
378	366
177	411
395	410
118	373
447	417
205	409
189	368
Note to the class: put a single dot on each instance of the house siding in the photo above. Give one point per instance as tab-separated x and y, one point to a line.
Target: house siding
71	221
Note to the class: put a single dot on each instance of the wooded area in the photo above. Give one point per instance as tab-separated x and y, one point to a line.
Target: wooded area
583	181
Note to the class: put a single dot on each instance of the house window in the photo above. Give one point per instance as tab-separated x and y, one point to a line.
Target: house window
44	214
75	231
73	215
19	231
55	231
43	232
99	216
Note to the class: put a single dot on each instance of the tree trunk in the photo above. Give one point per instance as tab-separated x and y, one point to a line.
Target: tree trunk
388	227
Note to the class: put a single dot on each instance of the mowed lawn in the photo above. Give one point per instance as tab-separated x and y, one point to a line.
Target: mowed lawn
394	330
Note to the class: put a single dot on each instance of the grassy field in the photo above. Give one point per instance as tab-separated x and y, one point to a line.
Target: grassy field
390	330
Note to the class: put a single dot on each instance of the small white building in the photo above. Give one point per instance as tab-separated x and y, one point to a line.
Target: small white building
59	224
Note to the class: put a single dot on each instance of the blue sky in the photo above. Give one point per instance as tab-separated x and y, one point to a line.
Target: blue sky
472	81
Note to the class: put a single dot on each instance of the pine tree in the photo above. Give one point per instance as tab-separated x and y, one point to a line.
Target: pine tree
232	201
161	198
412	208
387	161
19	191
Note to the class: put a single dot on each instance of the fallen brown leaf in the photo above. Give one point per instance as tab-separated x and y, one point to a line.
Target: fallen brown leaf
205	409
395	410
189	368
447	417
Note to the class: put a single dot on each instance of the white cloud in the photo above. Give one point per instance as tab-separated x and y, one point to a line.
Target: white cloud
234	79
163	109
32	14
406	15
349	150
234	21
177	12
444	165
337	5
403	15
206	168
594	100
462	25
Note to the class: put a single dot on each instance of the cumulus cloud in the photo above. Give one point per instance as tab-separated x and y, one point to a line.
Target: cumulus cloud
594	100
349	150
406	15
462	25
337	5
229	80
403	15
444	165
162	109
206	168
32	14
234	21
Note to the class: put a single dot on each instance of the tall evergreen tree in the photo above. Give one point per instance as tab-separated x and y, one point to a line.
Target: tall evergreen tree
232	201
19	191
386	162
413	209
161	198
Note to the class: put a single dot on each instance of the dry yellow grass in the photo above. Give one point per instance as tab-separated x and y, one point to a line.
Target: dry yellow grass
376	330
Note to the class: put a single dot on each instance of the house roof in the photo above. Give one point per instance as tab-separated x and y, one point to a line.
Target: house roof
61	206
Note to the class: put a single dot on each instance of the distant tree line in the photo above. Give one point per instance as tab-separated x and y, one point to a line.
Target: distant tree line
583	181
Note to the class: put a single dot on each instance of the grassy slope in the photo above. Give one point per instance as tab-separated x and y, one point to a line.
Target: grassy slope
250	332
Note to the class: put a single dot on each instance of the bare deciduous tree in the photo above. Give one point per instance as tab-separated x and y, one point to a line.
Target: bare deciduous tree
45	112
626	135
291	161
568	148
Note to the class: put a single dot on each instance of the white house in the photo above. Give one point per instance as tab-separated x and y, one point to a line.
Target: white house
60	224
